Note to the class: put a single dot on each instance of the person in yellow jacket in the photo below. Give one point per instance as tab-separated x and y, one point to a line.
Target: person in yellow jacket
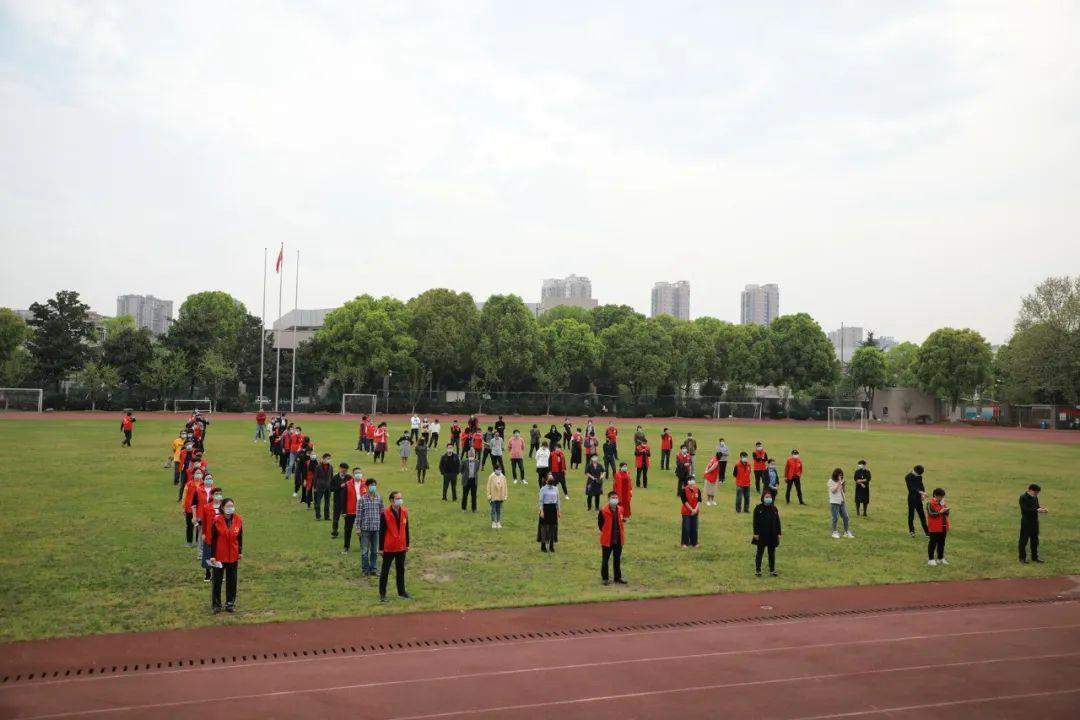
497	494
177	447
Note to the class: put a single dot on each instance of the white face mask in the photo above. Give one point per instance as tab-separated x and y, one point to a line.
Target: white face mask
398	502
230	510
613	502
358	476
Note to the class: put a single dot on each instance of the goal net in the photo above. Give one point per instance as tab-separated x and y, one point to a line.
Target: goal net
724	410
202	405
21	399
1035	416
853	418
358	404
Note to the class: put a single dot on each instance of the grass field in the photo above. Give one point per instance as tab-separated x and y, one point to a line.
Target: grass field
92	538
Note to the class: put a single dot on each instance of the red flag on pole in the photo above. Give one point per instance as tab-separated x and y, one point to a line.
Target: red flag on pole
280	259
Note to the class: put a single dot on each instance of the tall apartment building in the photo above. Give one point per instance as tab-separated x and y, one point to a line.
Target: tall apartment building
571	290
846	341
149	312
759	304
671	298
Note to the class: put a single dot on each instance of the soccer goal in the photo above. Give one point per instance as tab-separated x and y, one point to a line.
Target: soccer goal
358	404
1035	416
853	418
21	399
724	410
202	405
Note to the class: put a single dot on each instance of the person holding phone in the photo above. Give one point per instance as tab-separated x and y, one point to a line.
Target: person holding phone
1029	522
937	522
227	540
837	505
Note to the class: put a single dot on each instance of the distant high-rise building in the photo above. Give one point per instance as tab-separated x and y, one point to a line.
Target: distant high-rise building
671	298
148	311
846	340
571	290
886	341
760	304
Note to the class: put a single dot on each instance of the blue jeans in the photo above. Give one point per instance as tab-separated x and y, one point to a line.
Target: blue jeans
838	510
496	511
292	462
742	498
260	432
204	558
369	550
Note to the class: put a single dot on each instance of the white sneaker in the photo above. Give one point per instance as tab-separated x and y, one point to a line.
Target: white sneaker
836	536
849	534
943	561
566	496
931	563
493	526
294	494
498	525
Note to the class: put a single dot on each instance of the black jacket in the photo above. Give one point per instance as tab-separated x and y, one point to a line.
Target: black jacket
324	476
449	464
767	525
914	484
1029	509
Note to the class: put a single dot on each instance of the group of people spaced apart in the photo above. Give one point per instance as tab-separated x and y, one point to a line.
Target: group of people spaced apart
341	491
211	523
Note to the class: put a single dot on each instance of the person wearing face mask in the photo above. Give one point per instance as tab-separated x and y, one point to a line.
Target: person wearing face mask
691	506
449	467
324	482
761	459
516	447
227	541
393	544
338	489
207	516
470	470
543	461
793	471
612	524
203	496
742	484
187	504
354	489
937	521
421	460
766	532
368	518
837	504
642	460
127	424
594	483
624	488
862	488
547	527
557	463
497	494
177	450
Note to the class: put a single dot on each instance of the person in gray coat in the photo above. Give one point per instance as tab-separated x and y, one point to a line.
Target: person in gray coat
470	469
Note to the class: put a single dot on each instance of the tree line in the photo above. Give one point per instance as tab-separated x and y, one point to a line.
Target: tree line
441	340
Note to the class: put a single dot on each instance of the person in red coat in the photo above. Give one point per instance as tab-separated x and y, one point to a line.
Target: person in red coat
937	524
666	443
612	524
761	462
557	468
624	489
612	432
208	514
793	472
712	477
127	423
187	503
393	544
642	460
691	506
227	540
354	487
742	484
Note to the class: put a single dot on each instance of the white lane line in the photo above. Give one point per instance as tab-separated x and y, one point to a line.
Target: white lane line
947	703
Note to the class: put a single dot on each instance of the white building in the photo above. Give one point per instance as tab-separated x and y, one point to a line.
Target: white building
572	290
671	298
846	341
759	304
148	311
305	322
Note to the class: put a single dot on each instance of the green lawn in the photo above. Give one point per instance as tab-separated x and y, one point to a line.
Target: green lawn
92	540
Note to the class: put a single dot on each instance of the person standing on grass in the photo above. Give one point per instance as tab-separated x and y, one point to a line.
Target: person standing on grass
576	441
260	425
478	443
1029	522
712	476
449	467
543	463
516	447
306	465
691	447
361	432
742	473
761	459
324	484
691	506
369	511
209	514
557	462
421	460
414	427
642	460
470	469
766	532
547	528
534	439
612	432
354	488
611	455
425	430
339	489
435	428
722	453
187	504
837	506
590	445
404	445
594	483
772	478
639	435
862	488
486	452
624	489
369	436
937	523
612	524
793	472
227	540
455	434
381	438
500	427
497	451
394	540
497	494
568	432
291	446
916	495
553	436
666	443
202	497
682	469
127	423
177	455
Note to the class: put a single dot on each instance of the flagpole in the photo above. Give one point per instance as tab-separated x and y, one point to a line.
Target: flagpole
277	342
296	317
262	336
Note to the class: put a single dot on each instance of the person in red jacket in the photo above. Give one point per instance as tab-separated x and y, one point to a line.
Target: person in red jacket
208	514
666	443
393	544
793	472
381	433
187	503
369	437
227	540
202	496
624	489
557	465
612	525
260	425
362	432
742	484
691	506
126	424
712	476
761	462
937	523
355	487
612	433
642	460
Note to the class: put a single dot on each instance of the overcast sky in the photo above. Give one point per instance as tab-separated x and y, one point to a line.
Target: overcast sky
901	165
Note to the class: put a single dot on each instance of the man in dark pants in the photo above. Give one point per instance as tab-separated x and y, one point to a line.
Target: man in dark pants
324	478
916	494
354	488
470	469
393	544
1029	523
612	524
534	440
126	424
500	427
449	467
337	488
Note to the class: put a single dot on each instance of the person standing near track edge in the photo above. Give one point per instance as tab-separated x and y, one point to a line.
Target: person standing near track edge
368	518
937	521
916	495
227	540
393	544
612	525
1029	523
766	532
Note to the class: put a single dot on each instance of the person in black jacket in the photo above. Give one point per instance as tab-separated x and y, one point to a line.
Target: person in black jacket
337	488
916	495
470	469
324	479
766	531
449	467
1029	523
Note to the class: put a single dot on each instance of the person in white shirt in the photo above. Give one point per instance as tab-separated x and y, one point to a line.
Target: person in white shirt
837	507
434	428
542	457
414	428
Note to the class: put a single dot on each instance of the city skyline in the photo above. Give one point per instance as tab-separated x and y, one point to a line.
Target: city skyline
759	304
149	312
671	298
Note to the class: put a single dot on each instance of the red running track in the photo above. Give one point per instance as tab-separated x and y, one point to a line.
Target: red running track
986	649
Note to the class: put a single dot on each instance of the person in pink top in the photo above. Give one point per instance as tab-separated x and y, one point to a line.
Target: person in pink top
516	447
